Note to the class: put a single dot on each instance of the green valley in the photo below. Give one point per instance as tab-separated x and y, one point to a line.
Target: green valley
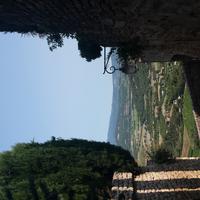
155	111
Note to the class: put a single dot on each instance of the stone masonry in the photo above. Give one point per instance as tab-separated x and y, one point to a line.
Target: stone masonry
177	180
163	28
122	184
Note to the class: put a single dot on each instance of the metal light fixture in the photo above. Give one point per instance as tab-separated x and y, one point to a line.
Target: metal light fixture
127	68
111	69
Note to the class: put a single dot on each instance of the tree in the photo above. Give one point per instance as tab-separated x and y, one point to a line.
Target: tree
54	41
72	169
32	188
161	156
131	50
8	194
89	50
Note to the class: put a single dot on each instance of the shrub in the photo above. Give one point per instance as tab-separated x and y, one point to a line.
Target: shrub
89	50
130	50
161	156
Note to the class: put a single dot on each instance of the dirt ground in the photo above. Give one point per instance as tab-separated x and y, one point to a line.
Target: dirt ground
186	143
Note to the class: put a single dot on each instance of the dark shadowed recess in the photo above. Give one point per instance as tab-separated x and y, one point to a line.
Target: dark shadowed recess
180	165
193	195
169	184
192	72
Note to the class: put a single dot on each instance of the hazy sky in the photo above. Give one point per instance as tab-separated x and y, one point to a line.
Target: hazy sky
46	94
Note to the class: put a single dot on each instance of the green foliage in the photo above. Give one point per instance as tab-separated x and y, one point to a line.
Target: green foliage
190	124
61	169
172	141
161	156
130	50
152	96
89	50
175	82
54	41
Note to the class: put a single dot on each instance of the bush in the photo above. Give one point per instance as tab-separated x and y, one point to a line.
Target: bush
89	50
130	50
161	156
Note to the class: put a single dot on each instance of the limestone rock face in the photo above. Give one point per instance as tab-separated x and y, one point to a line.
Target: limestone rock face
164	28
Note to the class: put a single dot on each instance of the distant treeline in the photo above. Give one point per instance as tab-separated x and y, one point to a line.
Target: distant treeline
61	169
115	103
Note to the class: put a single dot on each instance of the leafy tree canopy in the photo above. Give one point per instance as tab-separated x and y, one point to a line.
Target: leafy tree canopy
61	169
89	50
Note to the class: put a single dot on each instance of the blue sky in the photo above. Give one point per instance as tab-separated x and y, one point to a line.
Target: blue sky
46	93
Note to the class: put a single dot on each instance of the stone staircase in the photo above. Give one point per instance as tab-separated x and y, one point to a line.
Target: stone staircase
179	179
122	185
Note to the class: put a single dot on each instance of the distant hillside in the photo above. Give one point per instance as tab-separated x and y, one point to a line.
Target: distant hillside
153	110
115	104
61	169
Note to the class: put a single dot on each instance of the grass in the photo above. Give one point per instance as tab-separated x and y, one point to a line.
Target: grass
140	93
190	125
186	143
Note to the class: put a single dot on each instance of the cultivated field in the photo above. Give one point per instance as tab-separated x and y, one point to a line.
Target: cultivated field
156	111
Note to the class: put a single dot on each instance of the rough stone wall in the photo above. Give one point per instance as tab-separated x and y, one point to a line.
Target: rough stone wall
165	28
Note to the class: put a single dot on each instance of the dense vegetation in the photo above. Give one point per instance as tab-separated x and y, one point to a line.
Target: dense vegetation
190	126
89	50
155	111
161	156
61	169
